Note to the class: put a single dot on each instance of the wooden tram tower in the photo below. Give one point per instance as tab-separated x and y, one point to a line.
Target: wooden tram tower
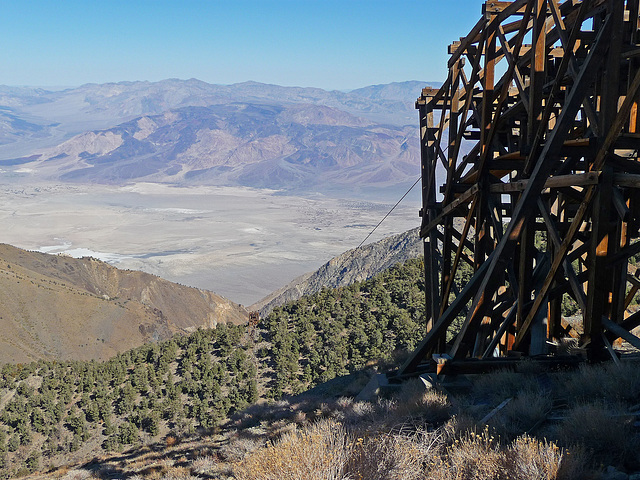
536	129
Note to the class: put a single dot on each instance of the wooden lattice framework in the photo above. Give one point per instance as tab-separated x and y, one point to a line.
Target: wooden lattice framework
542	96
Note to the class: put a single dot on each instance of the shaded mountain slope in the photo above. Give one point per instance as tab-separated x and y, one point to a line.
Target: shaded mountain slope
61	308
352	266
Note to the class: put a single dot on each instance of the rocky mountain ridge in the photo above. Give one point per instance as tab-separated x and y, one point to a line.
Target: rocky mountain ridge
355	265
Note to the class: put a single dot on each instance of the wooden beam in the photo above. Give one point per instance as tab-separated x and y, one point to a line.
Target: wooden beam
550	141
462	199
442	323
577	180
626	180
616	329
494	6
544	165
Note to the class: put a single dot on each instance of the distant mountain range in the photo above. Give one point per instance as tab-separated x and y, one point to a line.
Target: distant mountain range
355	265
56	307
189	131
257	145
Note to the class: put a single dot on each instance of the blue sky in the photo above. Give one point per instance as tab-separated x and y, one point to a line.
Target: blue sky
328	44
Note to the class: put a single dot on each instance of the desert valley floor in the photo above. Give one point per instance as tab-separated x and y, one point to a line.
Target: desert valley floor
239	242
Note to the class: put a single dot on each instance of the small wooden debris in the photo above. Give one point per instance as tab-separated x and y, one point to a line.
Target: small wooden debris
490	415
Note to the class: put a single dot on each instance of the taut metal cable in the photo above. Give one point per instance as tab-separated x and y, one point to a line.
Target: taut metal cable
389	212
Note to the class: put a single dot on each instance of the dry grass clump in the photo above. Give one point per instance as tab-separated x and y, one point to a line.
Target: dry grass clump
179	476
416	405
529	458
210	467
504	384
175	474
522	414
480	457
457	427
437	406
171	440
203	465
316	453
362	410
474	457
605	432
168	472
533	459
607	382
77	474
351	413
392	457
239	447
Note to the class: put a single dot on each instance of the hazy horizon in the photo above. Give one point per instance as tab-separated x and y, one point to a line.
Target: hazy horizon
54	88
333	45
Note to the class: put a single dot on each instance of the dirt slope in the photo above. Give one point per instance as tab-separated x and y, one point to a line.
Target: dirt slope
57	307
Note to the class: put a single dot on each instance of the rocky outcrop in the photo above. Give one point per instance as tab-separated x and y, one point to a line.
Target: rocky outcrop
352	266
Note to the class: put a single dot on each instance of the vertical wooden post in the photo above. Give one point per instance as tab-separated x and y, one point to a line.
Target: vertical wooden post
599	274
428	154
555	305
538	70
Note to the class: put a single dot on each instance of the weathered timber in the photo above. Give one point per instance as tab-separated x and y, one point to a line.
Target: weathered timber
548	190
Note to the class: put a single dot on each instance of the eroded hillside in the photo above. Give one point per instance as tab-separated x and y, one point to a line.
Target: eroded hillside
62	308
